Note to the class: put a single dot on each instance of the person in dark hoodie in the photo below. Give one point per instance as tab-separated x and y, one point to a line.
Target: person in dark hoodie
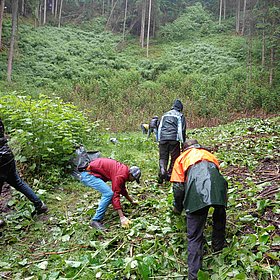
153	127
9	174
171	132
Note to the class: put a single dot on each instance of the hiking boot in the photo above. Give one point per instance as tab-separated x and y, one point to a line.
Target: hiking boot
160	179
97	225
2	223
40	208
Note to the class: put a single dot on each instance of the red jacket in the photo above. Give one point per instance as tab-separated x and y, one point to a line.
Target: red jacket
111	170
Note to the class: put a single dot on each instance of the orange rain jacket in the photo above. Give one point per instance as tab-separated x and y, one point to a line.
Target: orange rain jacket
187	159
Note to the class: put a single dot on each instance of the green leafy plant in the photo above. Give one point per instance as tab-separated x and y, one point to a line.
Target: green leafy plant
45	131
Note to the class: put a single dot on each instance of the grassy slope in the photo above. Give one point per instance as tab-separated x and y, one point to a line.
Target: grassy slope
61	245
94	70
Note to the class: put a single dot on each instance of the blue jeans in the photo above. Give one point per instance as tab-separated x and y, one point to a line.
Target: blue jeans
106	193
9	174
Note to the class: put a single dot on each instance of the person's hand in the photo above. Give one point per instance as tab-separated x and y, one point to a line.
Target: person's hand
176	211
125	222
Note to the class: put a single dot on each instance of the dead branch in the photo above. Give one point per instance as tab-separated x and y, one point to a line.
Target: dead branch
59	253
268	193
268	180
110	256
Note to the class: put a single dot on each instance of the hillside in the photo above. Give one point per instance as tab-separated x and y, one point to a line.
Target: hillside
88	75
204	64
61	245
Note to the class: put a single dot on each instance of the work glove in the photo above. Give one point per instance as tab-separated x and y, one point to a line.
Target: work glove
125	222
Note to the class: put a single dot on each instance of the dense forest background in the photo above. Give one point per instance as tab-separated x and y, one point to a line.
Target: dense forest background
125	61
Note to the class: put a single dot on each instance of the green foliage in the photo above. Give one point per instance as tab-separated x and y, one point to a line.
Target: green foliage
202	58
119	86
196	21
49	55
44	132
61	245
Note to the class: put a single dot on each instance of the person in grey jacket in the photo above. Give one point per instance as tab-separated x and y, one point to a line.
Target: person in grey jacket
171	132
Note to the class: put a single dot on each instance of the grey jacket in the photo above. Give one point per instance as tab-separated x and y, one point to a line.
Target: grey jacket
172	127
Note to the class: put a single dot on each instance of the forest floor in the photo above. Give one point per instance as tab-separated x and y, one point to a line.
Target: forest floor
61	245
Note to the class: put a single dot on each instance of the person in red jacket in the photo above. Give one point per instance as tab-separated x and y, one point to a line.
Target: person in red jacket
98	172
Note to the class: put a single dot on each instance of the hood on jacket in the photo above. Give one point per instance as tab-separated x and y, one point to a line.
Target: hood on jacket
178	106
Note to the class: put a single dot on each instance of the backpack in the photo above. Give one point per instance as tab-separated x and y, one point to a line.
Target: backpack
81	160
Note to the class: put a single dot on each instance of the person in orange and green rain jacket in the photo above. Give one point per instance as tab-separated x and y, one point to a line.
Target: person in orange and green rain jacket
198	185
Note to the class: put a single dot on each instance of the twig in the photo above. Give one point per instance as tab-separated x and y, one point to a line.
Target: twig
235	226
59	253
80	271
268	180
110	256
167	276
131	250
6	277
268	193
41	260
66	214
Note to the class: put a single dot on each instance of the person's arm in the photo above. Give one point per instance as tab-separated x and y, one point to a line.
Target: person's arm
184	127
179	195
118	187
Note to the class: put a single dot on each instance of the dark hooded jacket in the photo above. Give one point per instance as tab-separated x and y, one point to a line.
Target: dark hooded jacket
6	154
172	126
154	122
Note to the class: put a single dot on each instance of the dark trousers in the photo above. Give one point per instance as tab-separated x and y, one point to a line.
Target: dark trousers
195	227
167	148
151	130
9	174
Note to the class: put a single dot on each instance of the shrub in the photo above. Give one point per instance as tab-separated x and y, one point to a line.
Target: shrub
195	20
44	131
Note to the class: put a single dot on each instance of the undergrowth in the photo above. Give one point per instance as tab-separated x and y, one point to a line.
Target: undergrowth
61	245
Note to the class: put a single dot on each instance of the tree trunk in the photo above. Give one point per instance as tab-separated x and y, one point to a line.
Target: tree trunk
124	20
103	7
237	25
149	24
53	3
60	12
111	13
244	17
263	48
225	9
154	26
2	6
249	58
45	12
271	70
22	7
56	8
40	14
220	14
143	19
13	39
